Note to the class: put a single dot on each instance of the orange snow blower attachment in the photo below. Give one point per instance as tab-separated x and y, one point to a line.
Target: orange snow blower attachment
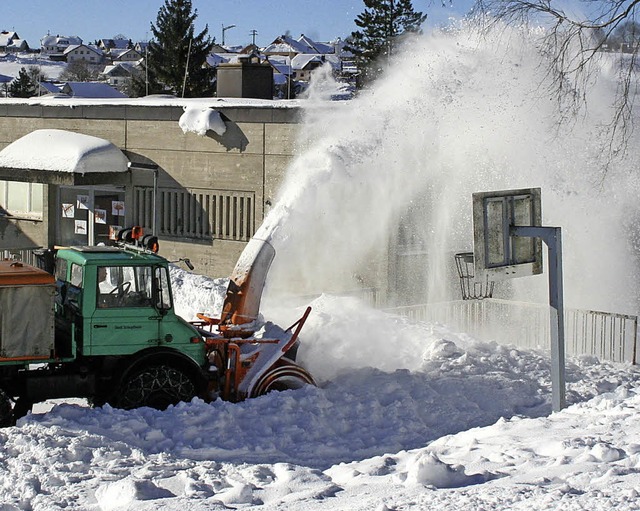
242	302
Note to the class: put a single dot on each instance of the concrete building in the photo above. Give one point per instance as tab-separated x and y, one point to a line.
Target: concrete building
211	191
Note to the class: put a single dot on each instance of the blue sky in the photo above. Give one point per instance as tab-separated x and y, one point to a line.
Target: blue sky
321	20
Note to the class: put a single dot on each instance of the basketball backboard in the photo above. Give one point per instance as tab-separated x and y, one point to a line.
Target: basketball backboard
496	251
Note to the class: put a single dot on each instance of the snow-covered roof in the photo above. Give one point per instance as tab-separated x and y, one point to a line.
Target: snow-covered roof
215	59
5	79
63	151
302	60
6	38
51	87
119	69
283	67
91	90
54	40
285	44
315	47
119	53
114	43
73	47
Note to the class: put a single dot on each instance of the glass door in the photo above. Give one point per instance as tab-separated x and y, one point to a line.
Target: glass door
87	216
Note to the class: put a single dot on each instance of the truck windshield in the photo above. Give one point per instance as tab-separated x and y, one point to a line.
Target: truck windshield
124	286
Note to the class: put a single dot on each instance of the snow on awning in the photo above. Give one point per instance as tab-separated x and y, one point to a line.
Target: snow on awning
62	157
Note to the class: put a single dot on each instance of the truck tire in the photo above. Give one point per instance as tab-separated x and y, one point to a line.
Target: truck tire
156	386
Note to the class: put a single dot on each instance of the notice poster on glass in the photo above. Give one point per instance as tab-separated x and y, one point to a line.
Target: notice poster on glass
100	216
113	231
82	201
117	208
80	227
68	210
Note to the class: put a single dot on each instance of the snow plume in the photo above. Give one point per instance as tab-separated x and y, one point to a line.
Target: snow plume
457	113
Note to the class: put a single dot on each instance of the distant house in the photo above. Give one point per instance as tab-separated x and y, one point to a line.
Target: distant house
45	88
304	64
54	46
305	55
89	54
316	47
90	90
285	45
10	42
141	47
106	45
125	55
119	75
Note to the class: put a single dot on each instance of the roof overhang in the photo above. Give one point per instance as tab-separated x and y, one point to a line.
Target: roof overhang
62	157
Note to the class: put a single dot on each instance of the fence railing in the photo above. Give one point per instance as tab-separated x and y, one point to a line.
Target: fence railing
606	335
22	254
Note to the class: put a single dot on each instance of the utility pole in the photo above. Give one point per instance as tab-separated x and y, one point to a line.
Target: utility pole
186	68
224	29
253	35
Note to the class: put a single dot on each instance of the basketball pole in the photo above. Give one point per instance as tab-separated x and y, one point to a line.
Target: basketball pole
552	237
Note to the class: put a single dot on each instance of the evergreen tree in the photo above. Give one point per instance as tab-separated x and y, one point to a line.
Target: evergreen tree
174	49
22	86
382	25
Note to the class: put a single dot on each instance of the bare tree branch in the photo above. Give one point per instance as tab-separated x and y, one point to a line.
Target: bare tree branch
572	44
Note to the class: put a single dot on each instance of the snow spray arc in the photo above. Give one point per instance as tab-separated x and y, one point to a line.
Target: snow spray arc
455	114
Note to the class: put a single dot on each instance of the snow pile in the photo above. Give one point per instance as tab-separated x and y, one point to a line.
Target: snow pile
404	409
194	293
200	120
471	417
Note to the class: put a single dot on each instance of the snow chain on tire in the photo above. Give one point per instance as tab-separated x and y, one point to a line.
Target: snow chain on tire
156	386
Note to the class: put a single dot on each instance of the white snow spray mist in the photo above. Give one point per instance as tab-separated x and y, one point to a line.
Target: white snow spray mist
455	114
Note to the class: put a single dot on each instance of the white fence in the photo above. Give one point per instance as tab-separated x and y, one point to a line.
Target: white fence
608	336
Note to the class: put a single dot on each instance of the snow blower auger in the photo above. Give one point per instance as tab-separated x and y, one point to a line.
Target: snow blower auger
251	357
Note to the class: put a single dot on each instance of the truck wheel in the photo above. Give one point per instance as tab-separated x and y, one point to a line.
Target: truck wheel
156	386
6	413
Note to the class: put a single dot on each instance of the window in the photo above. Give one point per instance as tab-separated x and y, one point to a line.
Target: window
162	283
76	275
124	286
61	269
21	199
194	213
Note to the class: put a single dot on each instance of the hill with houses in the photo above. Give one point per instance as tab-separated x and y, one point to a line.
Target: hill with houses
114	62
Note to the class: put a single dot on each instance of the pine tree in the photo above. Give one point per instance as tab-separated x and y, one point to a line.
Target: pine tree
22	86
175	49
382	25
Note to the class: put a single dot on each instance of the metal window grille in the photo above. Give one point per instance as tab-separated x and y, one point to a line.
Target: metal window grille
195	213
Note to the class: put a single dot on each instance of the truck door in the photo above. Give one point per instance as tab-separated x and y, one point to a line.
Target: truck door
125	319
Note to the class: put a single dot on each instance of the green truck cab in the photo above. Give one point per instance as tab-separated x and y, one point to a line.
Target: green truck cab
103	327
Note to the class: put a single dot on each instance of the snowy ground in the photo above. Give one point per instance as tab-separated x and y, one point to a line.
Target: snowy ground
10	65
447	422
